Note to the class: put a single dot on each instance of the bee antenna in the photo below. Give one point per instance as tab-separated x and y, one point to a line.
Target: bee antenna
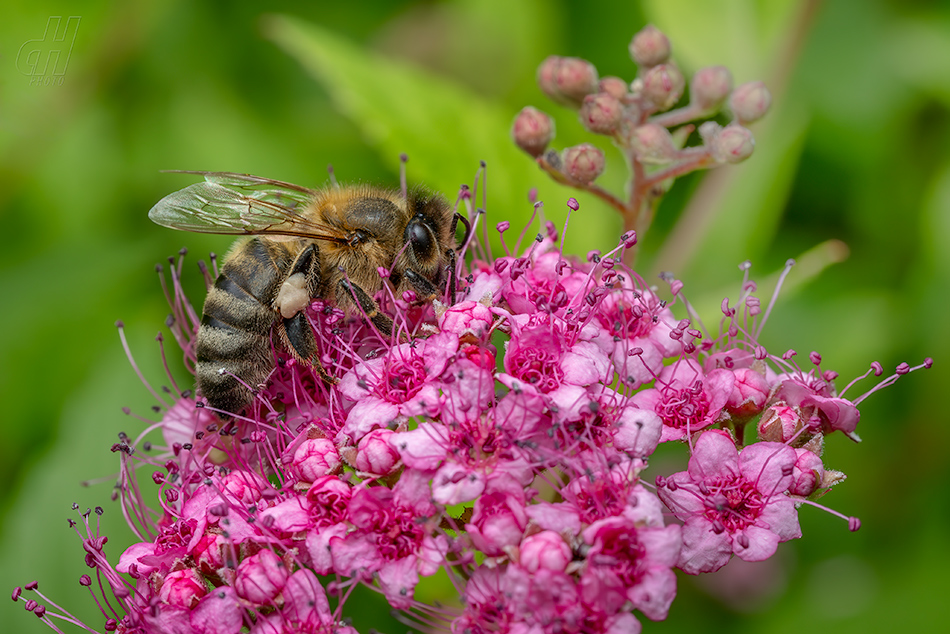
403	159
330	171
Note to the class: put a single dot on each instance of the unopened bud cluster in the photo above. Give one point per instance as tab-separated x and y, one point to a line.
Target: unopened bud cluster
646	119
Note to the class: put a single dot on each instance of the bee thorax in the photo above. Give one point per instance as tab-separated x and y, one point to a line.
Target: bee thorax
292	296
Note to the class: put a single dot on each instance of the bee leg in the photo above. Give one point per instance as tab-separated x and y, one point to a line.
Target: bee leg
297	335
423	287
382	322
453	261
468	227
295	294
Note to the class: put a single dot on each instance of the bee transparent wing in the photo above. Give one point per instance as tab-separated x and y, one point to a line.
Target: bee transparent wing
258	187
241	204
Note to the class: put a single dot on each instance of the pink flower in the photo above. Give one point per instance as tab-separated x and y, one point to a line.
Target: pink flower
749	394
169	546
685	399
499	519
627	562
180	423
393	538
305	609
816	397
779	423
731	501
637	333
543	279
219	612
469	319
401	383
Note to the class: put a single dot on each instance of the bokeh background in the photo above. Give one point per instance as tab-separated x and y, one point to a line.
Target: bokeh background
851	176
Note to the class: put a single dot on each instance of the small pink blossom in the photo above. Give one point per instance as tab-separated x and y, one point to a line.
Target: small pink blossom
816	397
499	519
626	562
779	423
731	501
472	319
636	333
686	400
219	612
401	383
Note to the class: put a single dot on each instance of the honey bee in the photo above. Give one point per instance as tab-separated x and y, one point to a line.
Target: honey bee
307	244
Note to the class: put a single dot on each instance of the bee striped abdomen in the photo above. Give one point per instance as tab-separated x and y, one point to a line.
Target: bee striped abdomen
234	341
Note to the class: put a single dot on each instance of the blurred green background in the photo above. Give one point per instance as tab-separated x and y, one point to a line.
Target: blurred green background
852	160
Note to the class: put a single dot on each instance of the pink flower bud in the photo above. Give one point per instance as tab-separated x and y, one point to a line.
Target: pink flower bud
601	113
374	453
183	588
499	520
467	317
649	47
663	86
532	130
207	552
260	577
583	162
567	80
710	87
808	473
613	86
545	550
749	394
732	144
482	357
778	423
329	498
750	101
653	144
708	131
244	486
315	457
574	79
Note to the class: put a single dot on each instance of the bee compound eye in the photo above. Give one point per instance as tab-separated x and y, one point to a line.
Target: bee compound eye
419	235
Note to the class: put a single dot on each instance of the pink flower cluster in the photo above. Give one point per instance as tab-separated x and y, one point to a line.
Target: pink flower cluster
500	438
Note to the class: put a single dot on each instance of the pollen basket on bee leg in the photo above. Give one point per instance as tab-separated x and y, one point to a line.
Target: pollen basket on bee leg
292	296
